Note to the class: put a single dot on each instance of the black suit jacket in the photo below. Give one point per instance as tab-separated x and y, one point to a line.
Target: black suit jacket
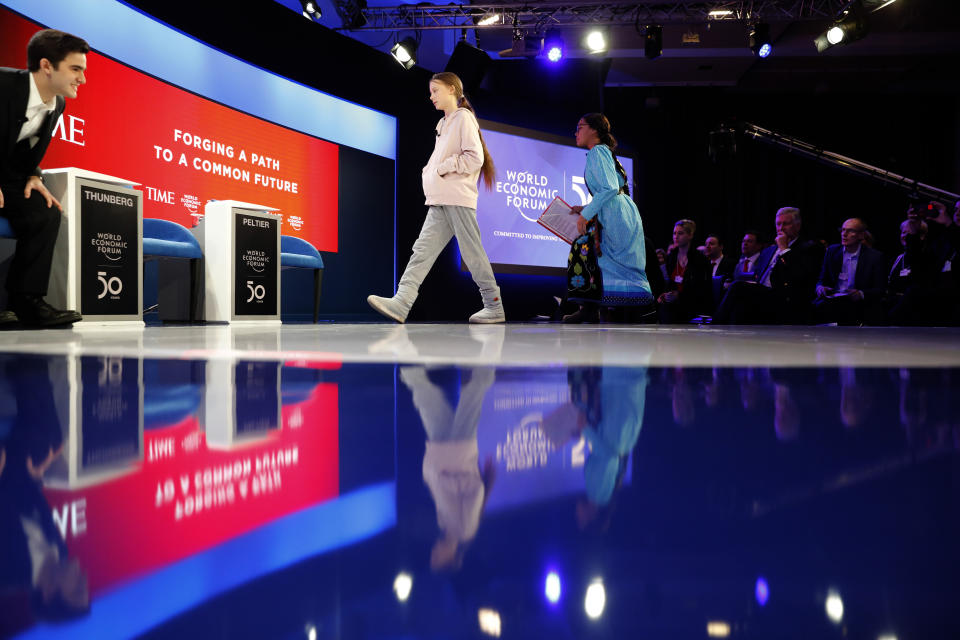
726	267
795	272
14	94
870	276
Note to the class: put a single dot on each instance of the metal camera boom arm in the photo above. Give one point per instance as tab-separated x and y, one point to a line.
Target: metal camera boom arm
831	159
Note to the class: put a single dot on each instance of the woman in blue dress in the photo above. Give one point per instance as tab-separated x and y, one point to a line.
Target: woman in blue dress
607	263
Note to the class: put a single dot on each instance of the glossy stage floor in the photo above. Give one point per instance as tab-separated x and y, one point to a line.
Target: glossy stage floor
455	481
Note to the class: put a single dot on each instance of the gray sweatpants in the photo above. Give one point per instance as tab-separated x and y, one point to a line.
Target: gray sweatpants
442	223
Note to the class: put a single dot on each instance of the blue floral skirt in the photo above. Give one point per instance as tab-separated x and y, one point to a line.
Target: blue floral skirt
584	279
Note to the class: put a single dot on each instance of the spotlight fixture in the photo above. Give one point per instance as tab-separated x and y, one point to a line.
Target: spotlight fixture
596	41
760	40
311	11
525	45
405	52
489	18
653	41
850	25
553	46
351	13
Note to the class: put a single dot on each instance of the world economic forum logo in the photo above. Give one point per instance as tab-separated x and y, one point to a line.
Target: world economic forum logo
529	193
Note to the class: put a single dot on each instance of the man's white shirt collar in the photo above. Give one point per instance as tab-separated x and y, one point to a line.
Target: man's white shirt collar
35	102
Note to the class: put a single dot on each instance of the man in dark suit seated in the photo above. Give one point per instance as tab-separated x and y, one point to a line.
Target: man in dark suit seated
746	267
912	293
720	264
786	276
852	280
31	103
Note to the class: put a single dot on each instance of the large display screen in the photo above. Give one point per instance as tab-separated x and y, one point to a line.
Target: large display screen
532	169
184	147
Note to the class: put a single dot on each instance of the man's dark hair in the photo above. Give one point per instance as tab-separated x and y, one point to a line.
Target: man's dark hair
54	46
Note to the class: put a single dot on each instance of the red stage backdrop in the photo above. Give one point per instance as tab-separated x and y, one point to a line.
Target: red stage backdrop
185	149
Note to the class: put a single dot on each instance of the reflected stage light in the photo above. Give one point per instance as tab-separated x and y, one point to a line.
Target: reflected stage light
595	600
552	587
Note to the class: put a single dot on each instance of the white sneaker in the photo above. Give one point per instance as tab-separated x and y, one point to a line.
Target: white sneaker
390	307
396	343
489	316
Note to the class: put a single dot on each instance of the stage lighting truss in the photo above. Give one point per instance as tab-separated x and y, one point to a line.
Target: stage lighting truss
539	16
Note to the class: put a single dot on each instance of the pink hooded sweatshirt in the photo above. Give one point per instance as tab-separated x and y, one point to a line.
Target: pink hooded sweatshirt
451	174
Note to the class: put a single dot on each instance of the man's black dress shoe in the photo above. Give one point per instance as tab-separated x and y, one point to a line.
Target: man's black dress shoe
8	320
33	311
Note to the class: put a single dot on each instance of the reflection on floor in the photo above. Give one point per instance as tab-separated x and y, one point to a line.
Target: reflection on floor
382	481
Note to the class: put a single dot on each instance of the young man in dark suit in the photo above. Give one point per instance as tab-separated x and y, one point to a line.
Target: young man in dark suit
31	102
720	264
852	280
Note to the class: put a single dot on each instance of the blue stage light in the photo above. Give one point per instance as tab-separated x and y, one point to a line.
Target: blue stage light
760	40
762	591
553	45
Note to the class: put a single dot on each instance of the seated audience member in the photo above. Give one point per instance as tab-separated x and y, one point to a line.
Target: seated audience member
951	267
786	277
720	265
688	278
655	275
852	280
911	284
750	247
935	215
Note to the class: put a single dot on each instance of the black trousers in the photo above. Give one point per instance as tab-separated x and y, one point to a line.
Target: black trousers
36	227
750	303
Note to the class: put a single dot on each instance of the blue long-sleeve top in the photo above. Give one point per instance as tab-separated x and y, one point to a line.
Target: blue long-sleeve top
602	179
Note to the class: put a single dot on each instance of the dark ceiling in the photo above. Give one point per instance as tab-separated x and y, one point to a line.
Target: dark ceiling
910	44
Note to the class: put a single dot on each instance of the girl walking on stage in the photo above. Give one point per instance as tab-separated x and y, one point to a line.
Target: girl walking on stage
450	186
607	264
